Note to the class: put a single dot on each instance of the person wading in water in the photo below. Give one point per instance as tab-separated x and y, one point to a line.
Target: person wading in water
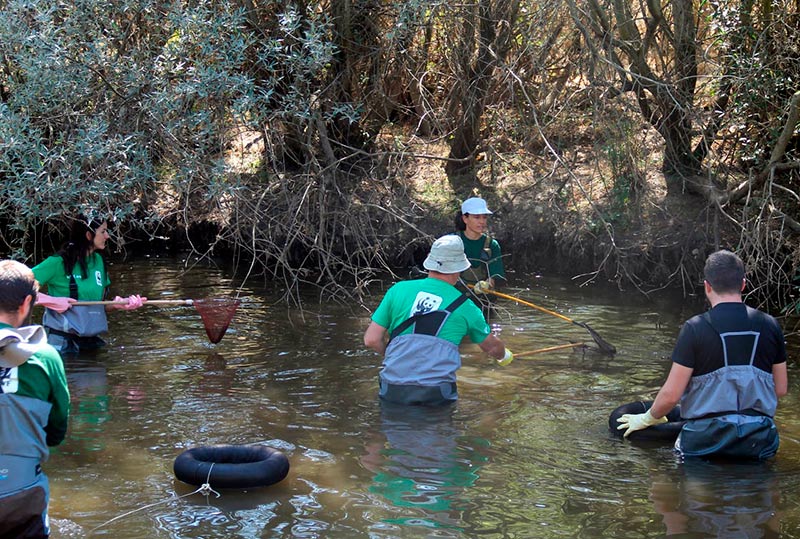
483	251
419	325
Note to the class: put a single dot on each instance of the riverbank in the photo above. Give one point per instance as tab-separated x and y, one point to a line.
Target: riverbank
581	215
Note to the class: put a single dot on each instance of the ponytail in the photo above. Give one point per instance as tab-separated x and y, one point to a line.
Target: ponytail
459	222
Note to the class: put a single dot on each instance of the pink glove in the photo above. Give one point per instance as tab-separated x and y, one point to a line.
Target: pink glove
134	302
58	304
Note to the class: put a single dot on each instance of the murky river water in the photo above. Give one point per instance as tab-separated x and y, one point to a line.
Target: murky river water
526	453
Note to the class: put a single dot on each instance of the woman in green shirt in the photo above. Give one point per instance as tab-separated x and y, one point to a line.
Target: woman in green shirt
77	273
483	251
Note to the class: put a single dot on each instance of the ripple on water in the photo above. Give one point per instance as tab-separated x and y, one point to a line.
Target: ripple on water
525	453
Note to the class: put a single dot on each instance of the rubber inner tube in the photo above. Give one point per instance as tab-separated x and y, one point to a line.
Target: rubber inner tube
665	431
231	466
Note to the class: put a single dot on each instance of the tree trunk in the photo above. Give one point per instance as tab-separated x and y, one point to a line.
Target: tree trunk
490	48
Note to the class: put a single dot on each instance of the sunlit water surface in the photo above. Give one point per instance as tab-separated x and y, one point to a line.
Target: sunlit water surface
526	452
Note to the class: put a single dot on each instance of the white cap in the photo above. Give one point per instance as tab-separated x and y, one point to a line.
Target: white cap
447	255
475	206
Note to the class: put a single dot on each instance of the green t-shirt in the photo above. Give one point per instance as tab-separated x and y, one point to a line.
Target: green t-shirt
408	298
42	377
51	275
484	265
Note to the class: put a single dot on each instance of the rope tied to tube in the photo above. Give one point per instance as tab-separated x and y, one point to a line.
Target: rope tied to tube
204	489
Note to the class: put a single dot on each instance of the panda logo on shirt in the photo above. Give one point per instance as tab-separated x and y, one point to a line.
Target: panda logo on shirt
424	303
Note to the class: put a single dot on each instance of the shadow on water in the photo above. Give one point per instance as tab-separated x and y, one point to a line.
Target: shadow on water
525	452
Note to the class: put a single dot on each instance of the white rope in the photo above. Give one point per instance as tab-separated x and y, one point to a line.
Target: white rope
204	489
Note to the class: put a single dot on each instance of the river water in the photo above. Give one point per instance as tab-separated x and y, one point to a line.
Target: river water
526	453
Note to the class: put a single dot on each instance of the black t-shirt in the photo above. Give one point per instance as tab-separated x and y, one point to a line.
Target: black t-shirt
699	345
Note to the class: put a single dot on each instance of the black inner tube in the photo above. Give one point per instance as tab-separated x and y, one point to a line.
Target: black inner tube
664	431
231	466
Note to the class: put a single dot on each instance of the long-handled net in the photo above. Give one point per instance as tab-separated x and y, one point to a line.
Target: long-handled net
604	346
216	313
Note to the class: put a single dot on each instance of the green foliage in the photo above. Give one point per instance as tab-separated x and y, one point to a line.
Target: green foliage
134	107
99	96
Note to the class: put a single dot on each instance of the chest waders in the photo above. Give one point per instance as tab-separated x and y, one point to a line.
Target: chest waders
24	489
78	327
419	367
729	411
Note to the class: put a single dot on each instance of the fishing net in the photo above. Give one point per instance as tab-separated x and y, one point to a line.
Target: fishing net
605	346
216	314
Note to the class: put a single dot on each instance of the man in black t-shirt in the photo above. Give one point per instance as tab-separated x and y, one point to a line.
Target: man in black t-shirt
728	372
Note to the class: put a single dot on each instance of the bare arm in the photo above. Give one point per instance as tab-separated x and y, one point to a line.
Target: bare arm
375	337
672	390
781	378
494	347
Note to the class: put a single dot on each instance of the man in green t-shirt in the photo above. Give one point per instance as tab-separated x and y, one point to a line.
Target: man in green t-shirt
34	406
419	325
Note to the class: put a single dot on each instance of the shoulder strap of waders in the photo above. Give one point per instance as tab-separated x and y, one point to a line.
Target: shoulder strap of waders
487	247
73	287
408	322
756	325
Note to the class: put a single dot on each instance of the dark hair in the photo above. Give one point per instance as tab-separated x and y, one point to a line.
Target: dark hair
16	284
724	271
459	221
76	249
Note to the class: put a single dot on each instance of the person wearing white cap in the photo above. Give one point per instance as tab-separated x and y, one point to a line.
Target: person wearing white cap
483	251
34	406
419	325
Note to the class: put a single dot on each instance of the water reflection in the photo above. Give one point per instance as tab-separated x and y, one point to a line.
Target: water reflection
526	453
725	500
422	460
87	379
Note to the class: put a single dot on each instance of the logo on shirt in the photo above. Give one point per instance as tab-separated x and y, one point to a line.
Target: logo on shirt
98	277
424	303
9	380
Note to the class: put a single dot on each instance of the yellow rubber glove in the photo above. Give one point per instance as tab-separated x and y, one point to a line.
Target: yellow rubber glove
634	422
482	287
508	358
